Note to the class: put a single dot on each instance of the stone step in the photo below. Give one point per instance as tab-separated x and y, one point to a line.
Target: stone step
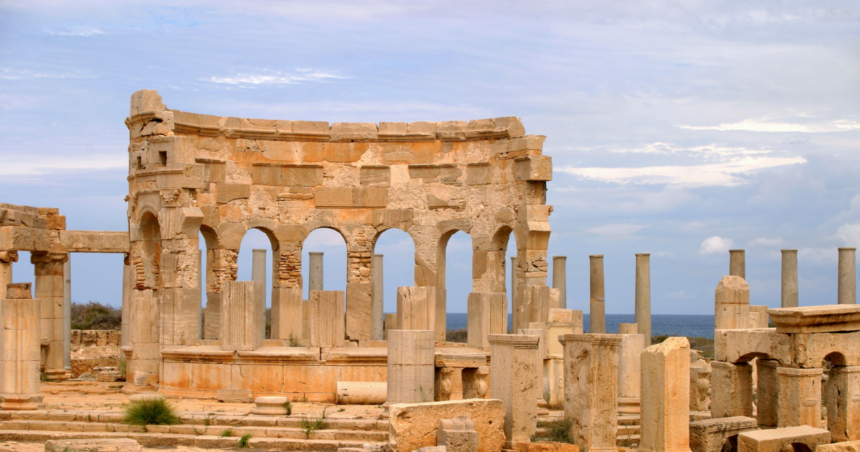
626	430
200	441
628	420
627	441
195	430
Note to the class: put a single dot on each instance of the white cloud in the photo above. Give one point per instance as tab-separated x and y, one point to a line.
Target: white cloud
709	149
300	75
76	31
816	256
724	174
40	165
752	125
615	229
12	74
849	233
766	242
716	245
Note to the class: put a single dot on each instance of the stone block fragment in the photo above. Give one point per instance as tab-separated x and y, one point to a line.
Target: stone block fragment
362	392
776	440
731	389
372	197
375	176
732	304
741	345
533	168
325	318
241	319
287	309
416	425
354	131
229	192
711	435
515	368
479	174
333	197
393	218
451	131
358	310
845	446
235	395
487	314
458	434
665	399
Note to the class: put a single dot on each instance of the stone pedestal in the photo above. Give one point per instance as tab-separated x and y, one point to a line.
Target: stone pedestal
359	310
789	279
799	397
411	366
416	308
591	389
242	325
731	389
287	313
629	363
377	302
514	381
559	279
737	263
270	406
597	305
315	272
767	393
67	315
847	290
487	314
732	304
643	296
843	403
49	291
19	363
665	418
325	318
179	315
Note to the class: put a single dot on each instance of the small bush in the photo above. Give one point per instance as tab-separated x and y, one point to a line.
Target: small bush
95	316
244	440
226	433
309	426
460	335
150	412
557	431
289	407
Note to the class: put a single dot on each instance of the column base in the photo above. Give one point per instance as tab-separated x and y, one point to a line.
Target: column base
20	402
57	375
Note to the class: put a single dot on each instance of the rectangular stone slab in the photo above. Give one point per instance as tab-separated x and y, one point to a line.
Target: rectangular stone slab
415	425
816	319
774	440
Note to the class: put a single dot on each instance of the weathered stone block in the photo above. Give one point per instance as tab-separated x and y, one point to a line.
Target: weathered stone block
458	434
370	197
479	174
710	435
358	307
416	425
375	175
354	131
333	197
776	440
533	168
92	445
229	192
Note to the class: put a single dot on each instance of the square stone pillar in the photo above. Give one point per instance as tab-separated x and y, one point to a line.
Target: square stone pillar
731	389
127	289
325	318
144	367
591	389
416	308
180	317
767	393
799	397
359	307
287	313
377	315
411	366
50	292
242	325
475	382
732	304
212	315
487	314
843	403
629	362
665	417
514	381
538	301
19	363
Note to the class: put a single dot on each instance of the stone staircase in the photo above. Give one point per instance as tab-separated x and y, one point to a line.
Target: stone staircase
200	430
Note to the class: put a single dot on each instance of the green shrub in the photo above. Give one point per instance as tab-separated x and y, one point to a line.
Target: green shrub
244	440
95	316
226	433
460	335
309	426
289	407
557	431
150	412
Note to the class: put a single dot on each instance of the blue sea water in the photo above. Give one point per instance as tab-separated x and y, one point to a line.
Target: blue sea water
673	325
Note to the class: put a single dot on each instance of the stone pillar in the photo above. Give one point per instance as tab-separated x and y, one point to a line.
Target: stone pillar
475	382
487	314
144	367
732	304
258	274
513	380
411	366
127	290
359	310
242	326
597	307
67	315
665	417
315	272
515	302
799	397
847	289
538	301
377	313
19	362
325	318
591	389
643	295
201	333
7	258
731	389
287	313
737	263
789	279
390	324
416	308
629	363
559	279
50	293
767	393
843	403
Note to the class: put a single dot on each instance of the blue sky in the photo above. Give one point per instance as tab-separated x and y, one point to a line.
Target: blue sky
679	128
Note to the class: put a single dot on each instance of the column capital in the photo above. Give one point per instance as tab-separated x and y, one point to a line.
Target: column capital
10	256
45	258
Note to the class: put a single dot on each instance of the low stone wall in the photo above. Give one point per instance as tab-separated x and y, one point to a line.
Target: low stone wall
100	338
94	348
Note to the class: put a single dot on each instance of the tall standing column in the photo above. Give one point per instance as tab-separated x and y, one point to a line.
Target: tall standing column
7	258
789	279
67	315
597	307
643	295
847	290
315	271
127	288
665	417
50	293
377	312
559	279
515	302
737	263
258	274
19	340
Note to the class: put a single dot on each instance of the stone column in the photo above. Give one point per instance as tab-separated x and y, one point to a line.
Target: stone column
242	326
643	295
737	263
597	307
847	289
789	279
127	290
287	313
19	362
513	380
315	272
559	279
7	258
411	366
50	293
731	389
487	314
799	397
629	363
326	318
732	304
200	293
144	367
665	417
767	393
377	312
416	308
843	403
591	389
258	274
515	302
67	315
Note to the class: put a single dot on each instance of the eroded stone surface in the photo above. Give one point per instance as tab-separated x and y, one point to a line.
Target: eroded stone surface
415	425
